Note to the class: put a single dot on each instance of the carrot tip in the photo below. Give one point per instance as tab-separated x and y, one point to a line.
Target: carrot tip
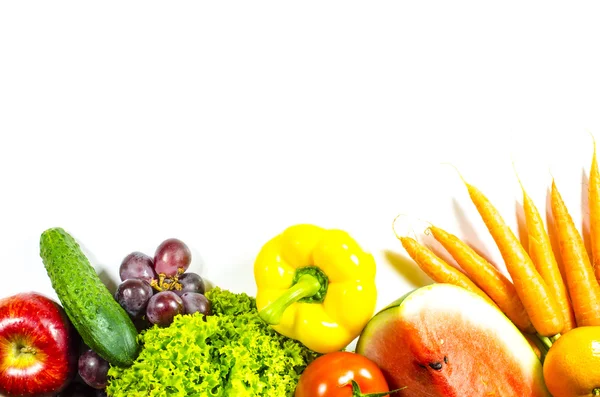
593	138
457	171
514	167
410	225
551	174
394	225
411	229
594	148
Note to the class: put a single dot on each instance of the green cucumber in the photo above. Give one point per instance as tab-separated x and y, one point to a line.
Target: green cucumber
102	323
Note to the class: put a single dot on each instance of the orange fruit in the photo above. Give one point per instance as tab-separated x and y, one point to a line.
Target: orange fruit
572	365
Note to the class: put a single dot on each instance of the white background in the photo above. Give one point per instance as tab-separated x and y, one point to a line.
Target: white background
222	123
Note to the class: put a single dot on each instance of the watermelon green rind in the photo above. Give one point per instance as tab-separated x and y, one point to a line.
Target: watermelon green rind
442	322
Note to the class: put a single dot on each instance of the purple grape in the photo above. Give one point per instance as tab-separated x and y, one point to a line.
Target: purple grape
93	369
163	307
137	265
194	302
190	282
76	389
172	257
133	296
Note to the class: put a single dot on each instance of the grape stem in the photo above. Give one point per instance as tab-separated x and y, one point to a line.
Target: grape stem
168	284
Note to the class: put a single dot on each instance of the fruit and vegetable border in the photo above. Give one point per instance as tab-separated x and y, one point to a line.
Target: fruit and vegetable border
163	333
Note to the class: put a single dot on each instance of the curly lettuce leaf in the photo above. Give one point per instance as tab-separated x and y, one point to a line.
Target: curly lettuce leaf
231	353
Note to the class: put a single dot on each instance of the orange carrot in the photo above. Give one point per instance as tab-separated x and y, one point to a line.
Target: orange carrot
581	281
542	255
541	305
486	277
438	269
594	208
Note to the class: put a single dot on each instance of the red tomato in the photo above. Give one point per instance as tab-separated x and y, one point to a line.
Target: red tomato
324	376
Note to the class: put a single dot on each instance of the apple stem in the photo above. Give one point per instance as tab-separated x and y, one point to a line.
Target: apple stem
27	350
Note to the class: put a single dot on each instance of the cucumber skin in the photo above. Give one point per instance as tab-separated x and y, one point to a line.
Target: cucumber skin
102	323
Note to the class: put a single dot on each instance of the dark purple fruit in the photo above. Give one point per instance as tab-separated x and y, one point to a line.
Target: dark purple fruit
163	307
172	257
137	265
93	369
194	302
133	296
190	282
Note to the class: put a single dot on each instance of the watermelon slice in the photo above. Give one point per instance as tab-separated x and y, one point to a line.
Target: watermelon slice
441	340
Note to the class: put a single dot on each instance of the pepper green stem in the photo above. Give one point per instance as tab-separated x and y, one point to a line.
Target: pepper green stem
306	286
357	393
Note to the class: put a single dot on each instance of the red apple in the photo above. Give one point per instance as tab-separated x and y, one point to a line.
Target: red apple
38	346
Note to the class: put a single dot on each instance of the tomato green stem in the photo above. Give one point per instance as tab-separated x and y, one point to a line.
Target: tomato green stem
307	286
357	393
596	391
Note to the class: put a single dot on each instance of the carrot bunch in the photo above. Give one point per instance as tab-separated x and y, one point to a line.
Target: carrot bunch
542	297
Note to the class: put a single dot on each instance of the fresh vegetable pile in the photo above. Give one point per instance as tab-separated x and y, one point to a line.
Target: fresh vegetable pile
473	332
163	334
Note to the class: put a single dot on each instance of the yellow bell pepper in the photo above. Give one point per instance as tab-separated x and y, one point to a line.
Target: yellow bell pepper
315	285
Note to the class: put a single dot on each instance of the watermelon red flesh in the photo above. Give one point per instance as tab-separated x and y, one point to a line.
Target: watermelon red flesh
443	341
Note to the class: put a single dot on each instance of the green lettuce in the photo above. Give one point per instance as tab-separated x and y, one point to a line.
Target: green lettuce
231	353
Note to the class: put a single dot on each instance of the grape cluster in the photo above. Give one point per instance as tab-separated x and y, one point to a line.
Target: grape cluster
154	290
